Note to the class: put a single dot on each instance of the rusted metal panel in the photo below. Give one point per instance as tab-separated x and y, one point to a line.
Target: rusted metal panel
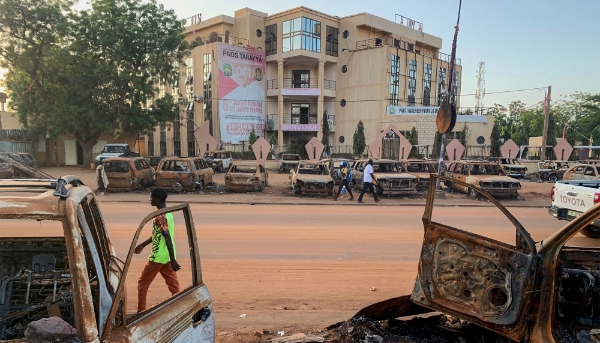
242	177
176	174
128	173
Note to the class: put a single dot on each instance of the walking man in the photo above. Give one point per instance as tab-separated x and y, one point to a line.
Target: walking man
346	179
368	182
162	256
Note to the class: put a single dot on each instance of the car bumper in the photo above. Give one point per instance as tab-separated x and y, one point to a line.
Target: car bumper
565	214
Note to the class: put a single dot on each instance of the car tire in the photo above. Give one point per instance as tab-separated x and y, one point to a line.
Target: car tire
473	193
297	190
219	169
591	231
261	187
200	185
552	178
177	187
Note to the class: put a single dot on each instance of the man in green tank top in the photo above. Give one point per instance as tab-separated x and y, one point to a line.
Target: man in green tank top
162	257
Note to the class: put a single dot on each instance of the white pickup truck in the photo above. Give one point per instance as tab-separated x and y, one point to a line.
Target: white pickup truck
573	197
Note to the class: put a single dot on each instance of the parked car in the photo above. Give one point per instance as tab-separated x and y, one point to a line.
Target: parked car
246	176
204	172
7	171
544	292
177	174
488	176
311	177
14	156
288	162
390	177
65	266
571	198
128	173
512	167
552	170
115	150
421	169
219	160
582	172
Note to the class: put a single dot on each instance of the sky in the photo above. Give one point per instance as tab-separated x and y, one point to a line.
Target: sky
525	44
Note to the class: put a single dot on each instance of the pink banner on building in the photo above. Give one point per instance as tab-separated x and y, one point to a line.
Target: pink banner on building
241	92
299	127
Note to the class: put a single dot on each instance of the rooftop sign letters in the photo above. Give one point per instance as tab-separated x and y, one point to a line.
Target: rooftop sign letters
301	91
300	127
411	110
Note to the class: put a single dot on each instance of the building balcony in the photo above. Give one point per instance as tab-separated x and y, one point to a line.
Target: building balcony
403	45
298	122
217	38
301	87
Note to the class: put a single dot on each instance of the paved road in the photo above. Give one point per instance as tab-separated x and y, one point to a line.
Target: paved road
293	266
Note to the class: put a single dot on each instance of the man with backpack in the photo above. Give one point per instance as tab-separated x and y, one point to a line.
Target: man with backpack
346	180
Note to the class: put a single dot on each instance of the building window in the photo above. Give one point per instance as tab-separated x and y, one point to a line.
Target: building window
394	80
207	89
271	40
302	33
331	47
151	143
163	139
300	79
455	91
427	85
177	137
189	84
191	142
301	114
412	82
441	85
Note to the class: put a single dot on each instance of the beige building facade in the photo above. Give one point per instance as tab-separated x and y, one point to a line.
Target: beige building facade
346	69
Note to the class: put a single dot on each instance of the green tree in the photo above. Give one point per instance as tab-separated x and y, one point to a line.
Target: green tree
252	138
89	72
413	139
437	143
325	132
273	139
358	140
495	140
464	135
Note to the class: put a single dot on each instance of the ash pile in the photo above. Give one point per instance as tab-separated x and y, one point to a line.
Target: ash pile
432	329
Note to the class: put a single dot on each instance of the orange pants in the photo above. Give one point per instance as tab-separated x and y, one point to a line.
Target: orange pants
148	275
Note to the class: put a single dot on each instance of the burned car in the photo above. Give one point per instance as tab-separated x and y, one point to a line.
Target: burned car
7	171
582	172
128	173
390	177
552	171
288	162
421	169
246	176
488	176
311	177
204	172
219	160
335	165
512	167
544	292
57	260
177	174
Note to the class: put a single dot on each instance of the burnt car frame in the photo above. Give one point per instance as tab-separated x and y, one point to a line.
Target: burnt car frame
390	177
128	173
287	162
246	176
218	160
512	167
486	175
311	177
542	292
177	174
334	165
552	171
587	171
421	169
77	275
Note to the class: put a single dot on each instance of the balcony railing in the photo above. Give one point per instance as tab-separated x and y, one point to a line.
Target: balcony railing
214	38
295	83
403	45
329	85
272	84
272	122
300	118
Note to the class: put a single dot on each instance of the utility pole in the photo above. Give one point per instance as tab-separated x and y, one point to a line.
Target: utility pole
546	118
480	92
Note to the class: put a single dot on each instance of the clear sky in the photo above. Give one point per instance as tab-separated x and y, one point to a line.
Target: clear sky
524	44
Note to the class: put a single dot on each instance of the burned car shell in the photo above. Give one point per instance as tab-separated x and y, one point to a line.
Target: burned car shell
288	162
219	160
334	165
488	176
527	292
246	176
128	173
311	177
176	174
204	172
390	177
582	172
96	277
511	167
552	170
421	169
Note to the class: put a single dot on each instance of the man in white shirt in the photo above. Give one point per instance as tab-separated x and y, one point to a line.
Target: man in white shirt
368	182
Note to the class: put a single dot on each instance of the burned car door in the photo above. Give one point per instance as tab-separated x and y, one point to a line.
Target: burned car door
184	317
475	278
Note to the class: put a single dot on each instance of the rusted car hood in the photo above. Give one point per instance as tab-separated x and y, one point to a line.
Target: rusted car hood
492	178
314	178
394	176
241	176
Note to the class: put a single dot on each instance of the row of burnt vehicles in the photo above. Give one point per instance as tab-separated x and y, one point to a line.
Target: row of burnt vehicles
405	177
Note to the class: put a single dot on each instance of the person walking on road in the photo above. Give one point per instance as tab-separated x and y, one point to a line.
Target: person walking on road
346	179
368	182
162	256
